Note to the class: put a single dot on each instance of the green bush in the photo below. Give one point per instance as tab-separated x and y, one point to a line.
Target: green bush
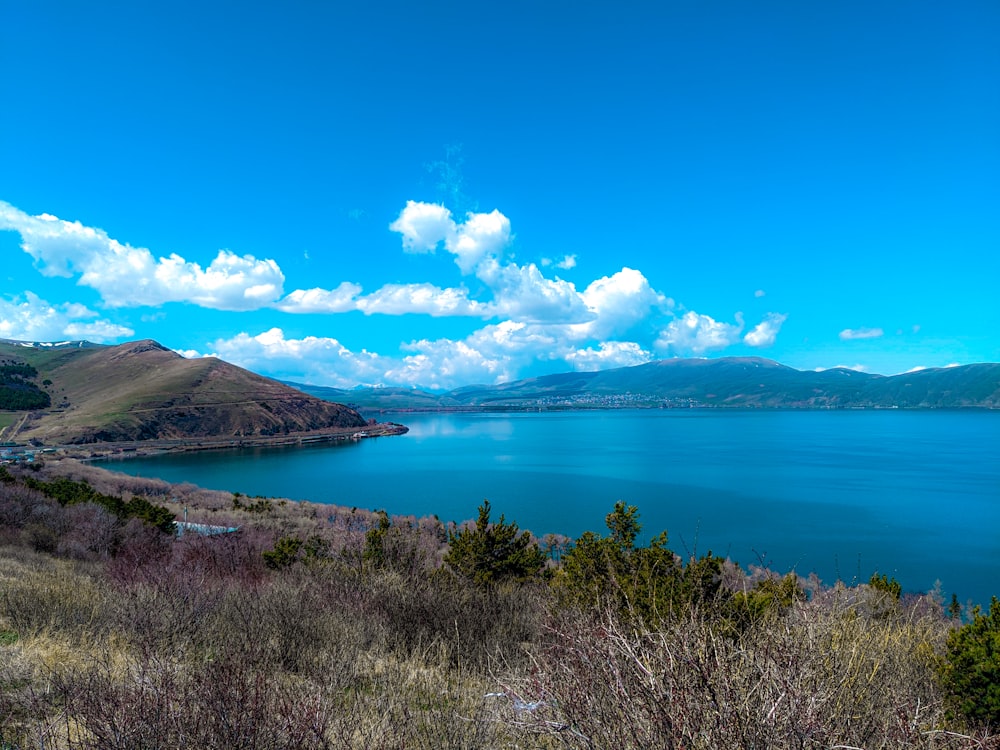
284	554
651	581
68	492
489	553
971	672
770	597
887	585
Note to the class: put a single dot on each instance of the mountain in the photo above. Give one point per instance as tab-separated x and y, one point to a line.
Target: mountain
143	391
724	382
381	398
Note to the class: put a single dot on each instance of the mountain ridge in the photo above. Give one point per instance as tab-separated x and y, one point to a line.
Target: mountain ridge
734	382
143	391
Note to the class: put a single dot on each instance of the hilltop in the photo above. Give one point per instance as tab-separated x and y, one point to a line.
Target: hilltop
724	382
141	391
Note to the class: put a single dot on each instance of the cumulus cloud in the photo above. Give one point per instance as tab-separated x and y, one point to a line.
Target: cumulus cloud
765	332
696	334
523	294
852	334
607	355
493	354
424	226
127	276
341	299
33	319
443	363
314	359
481	236
619	303
400	299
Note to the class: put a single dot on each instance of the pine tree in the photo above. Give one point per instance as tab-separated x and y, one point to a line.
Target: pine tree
489	553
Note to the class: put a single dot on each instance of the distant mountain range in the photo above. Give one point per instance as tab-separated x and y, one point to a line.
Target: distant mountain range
143	391
736	382
74	392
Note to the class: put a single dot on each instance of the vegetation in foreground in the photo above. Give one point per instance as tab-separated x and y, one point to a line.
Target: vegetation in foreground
322	627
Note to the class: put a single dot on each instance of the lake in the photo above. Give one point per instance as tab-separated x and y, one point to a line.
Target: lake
912	494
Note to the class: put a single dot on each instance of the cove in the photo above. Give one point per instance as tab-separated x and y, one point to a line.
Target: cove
912	494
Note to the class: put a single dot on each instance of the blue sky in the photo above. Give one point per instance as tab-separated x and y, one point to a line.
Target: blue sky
444	193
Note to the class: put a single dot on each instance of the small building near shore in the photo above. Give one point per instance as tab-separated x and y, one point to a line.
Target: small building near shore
202	529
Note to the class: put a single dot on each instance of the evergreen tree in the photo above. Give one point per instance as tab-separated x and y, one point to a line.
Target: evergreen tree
489	553
971	673
650	582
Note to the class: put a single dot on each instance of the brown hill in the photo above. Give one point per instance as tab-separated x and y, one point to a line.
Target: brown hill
143	391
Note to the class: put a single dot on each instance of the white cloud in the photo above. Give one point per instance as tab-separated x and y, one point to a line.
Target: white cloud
481	236
853	334
566	263
231	282
697	334
399	299
127	276
312	359
765	332
446	364
759	293
423	226
426	225
34	319
341	299
492	354
523	294
619	303
609	354
391	299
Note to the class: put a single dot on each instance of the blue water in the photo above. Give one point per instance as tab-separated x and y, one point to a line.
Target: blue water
915	495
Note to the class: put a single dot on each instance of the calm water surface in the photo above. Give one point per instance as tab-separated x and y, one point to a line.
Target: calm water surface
915	495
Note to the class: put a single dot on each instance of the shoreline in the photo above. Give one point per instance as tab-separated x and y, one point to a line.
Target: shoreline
157	446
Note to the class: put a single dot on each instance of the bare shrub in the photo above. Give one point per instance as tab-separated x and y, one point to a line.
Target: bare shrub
236	557
826	675
283	625
157	703
91	533
475	625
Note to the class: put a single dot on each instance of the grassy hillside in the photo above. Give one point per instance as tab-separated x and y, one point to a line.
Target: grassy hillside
143	391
